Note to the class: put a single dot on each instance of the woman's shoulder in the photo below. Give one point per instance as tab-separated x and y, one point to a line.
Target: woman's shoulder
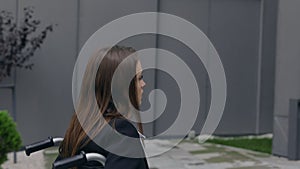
125	127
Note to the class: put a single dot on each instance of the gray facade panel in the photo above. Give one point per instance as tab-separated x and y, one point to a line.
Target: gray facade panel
6	100
8	5
197	14
44	102
235	32
287	80
94	14
268	54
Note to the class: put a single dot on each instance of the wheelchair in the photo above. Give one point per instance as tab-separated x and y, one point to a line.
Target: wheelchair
65	163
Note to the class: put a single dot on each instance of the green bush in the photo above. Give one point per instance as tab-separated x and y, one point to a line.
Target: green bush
10	139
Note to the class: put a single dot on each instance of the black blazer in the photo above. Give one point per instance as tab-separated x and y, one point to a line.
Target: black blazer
114	161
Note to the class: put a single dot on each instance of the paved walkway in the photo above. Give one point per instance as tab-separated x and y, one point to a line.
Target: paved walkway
185	155
188	155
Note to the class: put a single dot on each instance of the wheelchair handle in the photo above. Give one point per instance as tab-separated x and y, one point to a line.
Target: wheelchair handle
41	145
70	162
78	160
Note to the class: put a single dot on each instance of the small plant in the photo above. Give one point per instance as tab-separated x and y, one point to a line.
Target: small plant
10	139
19	43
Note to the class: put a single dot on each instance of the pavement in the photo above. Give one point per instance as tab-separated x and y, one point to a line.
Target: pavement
186	155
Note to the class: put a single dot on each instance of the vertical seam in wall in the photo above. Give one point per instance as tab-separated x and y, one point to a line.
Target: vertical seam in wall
207	82
155	74
275	62
259	72
275	7
77	27
75	80
14	95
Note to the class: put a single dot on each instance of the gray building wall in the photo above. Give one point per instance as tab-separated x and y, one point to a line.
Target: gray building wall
243	32
287	84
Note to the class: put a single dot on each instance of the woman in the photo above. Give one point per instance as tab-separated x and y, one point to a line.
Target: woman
100	124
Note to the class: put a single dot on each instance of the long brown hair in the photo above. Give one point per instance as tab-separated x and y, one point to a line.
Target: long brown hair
90	115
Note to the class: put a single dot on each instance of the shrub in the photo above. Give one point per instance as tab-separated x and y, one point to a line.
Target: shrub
10	139
19	42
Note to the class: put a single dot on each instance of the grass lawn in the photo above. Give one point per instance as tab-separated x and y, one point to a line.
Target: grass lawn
257	144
